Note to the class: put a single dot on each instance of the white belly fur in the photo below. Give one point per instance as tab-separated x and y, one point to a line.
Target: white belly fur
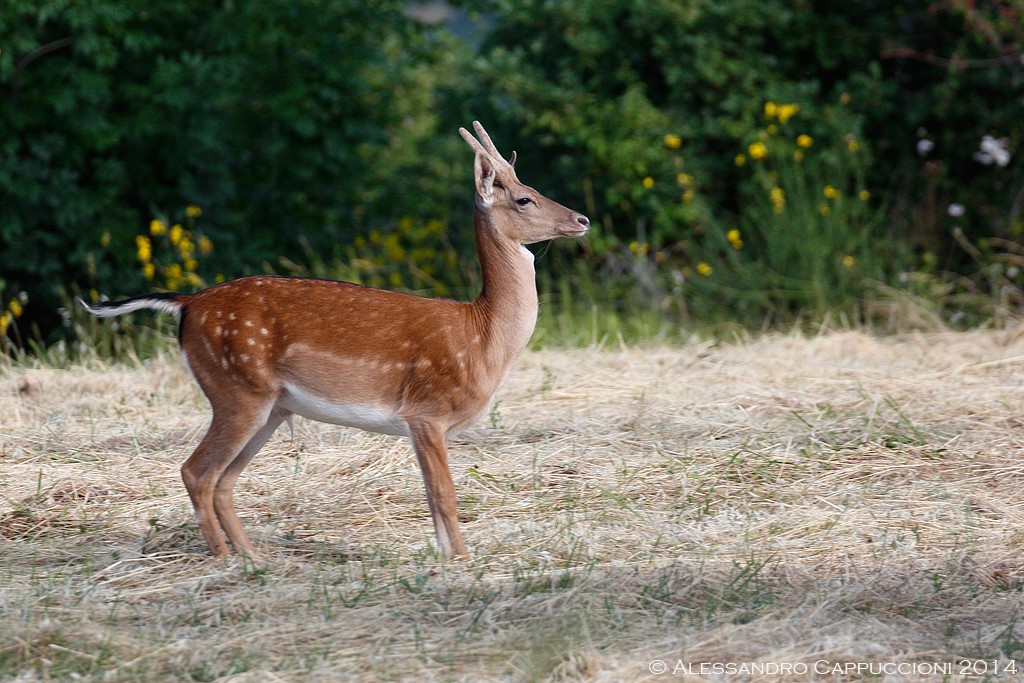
369	418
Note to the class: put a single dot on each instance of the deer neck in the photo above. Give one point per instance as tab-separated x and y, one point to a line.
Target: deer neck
507	306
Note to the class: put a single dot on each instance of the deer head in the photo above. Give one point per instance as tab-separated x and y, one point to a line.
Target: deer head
514	210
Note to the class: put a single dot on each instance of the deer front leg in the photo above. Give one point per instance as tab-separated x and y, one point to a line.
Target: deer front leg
432	454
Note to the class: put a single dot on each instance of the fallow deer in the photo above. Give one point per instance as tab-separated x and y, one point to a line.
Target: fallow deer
263	348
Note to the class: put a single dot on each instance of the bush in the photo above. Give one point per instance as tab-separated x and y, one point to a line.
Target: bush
642	107
284	133
333	151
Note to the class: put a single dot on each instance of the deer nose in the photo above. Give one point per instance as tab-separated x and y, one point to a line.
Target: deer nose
583	220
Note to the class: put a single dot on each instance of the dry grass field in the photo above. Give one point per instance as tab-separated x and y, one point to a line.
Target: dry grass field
827	504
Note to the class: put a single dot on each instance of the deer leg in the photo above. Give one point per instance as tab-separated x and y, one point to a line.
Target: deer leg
223	494
228	434
432	454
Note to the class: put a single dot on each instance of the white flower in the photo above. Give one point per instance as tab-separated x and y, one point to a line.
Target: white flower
924	145
992	151
955	210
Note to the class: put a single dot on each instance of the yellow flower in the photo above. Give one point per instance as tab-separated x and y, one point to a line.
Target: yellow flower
757	150
193	211
688	196
15	308
849	261
830	192
798	155
787	111
148	271
144	248
772	129
845	98
157	227
734	238
176	232
205	245
191	265
864	195
803	140
778	199
640	249
194	279
173	272
824	209
673	141
740	160
648	182
851	143
105	239
219	278
770	110
704	269
5	322
684	179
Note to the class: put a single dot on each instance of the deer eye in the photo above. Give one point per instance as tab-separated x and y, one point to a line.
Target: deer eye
524	201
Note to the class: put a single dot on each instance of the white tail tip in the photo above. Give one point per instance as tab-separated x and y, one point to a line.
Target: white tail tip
168	303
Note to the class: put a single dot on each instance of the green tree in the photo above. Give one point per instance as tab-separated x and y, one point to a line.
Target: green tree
276	117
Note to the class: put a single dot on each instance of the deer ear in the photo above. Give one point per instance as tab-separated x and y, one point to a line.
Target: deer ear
483	171
512	159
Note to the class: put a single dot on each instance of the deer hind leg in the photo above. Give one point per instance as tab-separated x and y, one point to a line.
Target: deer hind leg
230	431
432	454
223	494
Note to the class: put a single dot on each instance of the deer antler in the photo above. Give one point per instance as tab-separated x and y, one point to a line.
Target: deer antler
485	146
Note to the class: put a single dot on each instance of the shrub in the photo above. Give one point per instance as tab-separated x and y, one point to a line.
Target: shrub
279	129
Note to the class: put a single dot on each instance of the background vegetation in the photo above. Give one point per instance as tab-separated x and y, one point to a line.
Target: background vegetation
742	161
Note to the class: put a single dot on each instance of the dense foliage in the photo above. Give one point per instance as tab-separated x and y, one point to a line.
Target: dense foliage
672	112
739	158
284	133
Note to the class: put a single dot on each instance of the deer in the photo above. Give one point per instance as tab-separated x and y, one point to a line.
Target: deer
264	348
